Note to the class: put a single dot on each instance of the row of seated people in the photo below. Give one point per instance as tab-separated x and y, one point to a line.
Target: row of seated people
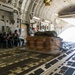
8	40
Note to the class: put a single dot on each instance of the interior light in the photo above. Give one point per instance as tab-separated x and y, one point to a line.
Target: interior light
36	18
47	2
22	29
47	21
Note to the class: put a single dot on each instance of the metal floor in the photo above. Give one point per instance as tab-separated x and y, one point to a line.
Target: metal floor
21	62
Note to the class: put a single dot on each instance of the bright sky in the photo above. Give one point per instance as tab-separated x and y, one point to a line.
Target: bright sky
69	20
68	34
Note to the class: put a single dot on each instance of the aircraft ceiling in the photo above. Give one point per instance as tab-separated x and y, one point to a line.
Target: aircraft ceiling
51	12
38	8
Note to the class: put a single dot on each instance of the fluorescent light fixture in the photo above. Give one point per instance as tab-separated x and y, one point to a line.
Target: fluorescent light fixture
22	29
36	18
56	14
47	21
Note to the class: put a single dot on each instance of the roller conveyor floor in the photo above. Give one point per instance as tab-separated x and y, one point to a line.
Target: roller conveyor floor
21	62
